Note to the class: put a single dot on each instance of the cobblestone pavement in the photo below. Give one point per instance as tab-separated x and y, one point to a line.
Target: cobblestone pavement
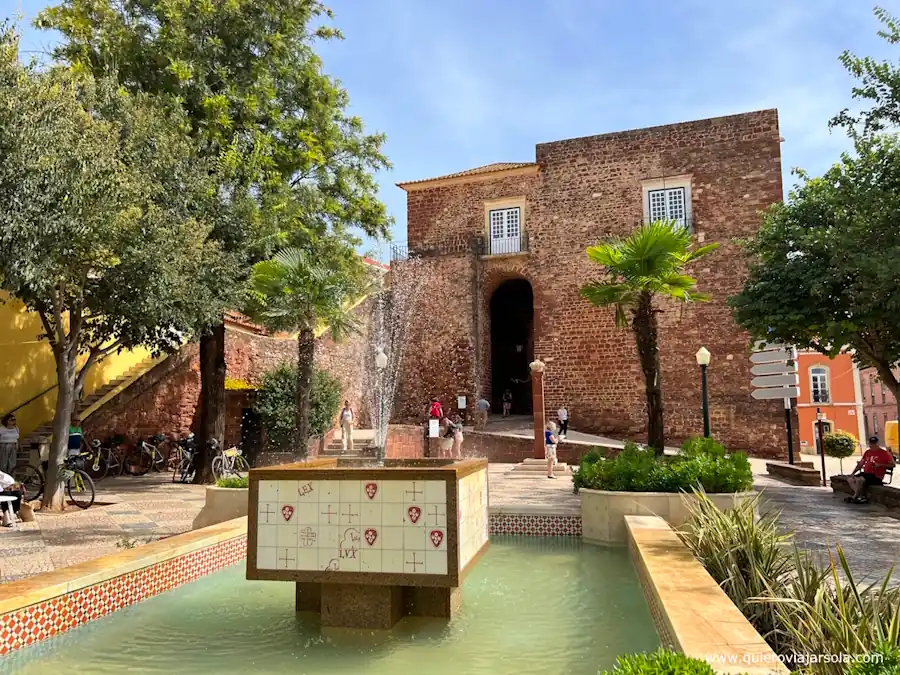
138	509
524	492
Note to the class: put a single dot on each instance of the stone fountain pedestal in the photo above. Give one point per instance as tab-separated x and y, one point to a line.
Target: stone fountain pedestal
366	546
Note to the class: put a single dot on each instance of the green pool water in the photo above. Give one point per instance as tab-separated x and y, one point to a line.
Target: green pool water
531	605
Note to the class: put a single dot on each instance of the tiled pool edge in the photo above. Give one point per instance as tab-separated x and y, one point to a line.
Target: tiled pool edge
48	604
691	612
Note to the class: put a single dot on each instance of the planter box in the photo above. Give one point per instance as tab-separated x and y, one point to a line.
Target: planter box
222	504
603	513
801	473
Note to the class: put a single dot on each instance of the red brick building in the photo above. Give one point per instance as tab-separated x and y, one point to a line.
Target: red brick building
879	404
506	245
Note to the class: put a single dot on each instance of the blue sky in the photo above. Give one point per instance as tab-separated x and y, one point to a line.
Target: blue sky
461	83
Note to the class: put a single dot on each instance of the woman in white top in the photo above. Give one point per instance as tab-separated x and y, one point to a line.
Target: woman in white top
9	443
563	416
347	426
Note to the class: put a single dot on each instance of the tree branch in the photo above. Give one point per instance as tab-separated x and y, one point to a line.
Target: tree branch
57	319
48	329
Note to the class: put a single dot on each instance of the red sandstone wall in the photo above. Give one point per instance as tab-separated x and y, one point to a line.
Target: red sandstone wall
405	442
587	189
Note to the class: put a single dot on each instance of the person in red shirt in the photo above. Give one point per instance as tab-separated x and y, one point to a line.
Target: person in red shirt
869	471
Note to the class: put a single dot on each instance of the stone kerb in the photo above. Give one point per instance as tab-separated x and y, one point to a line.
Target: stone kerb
222	504
603	513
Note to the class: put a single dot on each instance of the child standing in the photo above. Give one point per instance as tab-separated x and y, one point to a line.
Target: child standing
435	411
563	416
550	441
507	402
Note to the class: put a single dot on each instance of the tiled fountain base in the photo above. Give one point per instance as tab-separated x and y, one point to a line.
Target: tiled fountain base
536	525
45	619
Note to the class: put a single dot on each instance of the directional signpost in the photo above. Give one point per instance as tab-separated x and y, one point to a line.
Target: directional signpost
775	371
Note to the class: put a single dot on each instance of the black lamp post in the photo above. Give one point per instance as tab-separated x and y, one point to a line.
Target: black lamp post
703	357
820	417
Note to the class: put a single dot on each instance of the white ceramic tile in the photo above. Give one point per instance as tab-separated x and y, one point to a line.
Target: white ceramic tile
268	491
414	515
287	491
287	513
350	561
307	513
436	539
436	492
350	539
350	491
307	491
267	535
287	536
265	558
286	558
393	491
371	539
350	514
329	513
392	561
328	559
391	538
413	491
329	491
308	536
372	491
392	514
308	559
371	514
436	562
414	562
435	515
413	538
268	513
370	561
329	537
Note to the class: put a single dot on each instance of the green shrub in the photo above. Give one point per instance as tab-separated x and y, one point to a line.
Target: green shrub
661	662
233	482
883	660
276	403
702	463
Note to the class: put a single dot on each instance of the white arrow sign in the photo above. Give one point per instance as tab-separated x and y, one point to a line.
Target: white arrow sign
780	392
762	345
773	357
776	381
774	369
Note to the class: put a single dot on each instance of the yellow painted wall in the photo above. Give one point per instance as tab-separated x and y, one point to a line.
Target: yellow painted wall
27	366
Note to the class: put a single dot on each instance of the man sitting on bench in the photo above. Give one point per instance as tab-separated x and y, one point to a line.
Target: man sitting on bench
869	471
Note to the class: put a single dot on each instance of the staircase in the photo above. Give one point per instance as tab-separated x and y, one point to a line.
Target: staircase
114	386
363	446
537	468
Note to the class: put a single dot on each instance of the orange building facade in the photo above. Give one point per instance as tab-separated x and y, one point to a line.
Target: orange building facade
832	386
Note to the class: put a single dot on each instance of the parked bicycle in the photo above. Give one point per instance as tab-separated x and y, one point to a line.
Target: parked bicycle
147	456
78	484
105	459
227	462
184	460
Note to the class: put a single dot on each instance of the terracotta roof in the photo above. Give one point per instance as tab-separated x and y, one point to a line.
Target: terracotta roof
487	168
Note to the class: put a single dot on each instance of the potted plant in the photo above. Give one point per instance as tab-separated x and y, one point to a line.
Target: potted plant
226	500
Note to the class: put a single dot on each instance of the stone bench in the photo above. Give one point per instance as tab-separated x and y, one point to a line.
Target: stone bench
886	495
799	473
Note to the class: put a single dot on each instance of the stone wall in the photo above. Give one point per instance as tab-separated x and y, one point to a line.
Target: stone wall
587	189
513	449
405	442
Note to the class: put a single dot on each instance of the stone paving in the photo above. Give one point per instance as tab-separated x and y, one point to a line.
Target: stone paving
133	509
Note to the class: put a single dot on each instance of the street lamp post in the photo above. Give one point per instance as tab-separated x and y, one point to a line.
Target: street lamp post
703	357
820	417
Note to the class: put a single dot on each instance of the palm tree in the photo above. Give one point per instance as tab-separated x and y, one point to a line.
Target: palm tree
649	262
298	290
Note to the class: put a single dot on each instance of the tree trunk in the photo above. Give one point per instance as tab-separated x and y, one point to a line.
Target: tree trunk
54	492
646	335
306	353
212	400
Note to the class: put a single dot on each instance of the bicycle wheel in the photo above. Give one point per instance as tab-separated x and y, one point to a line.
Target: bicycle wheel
32	479
95	466
240	466
81	489
140	462
218	467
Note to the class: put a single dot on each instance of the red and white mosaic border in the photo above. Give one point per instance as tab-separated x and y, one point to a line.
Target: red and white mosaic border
40	621
535	525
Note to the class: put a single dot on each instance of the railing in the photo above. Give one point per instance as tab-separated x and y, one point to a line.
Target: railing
32	399
502	246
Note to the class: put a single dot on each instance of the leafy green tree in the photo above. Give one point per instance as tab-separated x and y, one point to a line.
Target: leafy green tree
293	165
104	222
840	444
299	290
648	264
824	270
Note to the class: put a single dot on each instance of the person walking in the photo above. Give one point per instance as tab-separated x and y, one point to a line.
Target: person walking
482	409
507	402
550	441
9	444
456	426
563	416
347	427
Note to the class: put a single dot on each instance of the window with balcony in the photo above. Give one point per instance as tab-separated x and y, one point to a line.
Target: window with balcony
505	231
819	384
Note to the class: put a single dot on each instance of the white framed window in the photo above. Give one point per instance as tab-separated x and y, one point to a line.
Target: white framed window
819	385
668	199
506	230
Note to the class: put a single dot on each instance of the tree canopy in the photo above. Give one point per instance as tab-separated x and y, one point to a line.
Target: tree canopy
825	265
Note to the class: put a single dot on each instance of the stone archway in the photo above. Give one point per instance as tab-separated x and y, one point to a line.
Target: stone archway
512	343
